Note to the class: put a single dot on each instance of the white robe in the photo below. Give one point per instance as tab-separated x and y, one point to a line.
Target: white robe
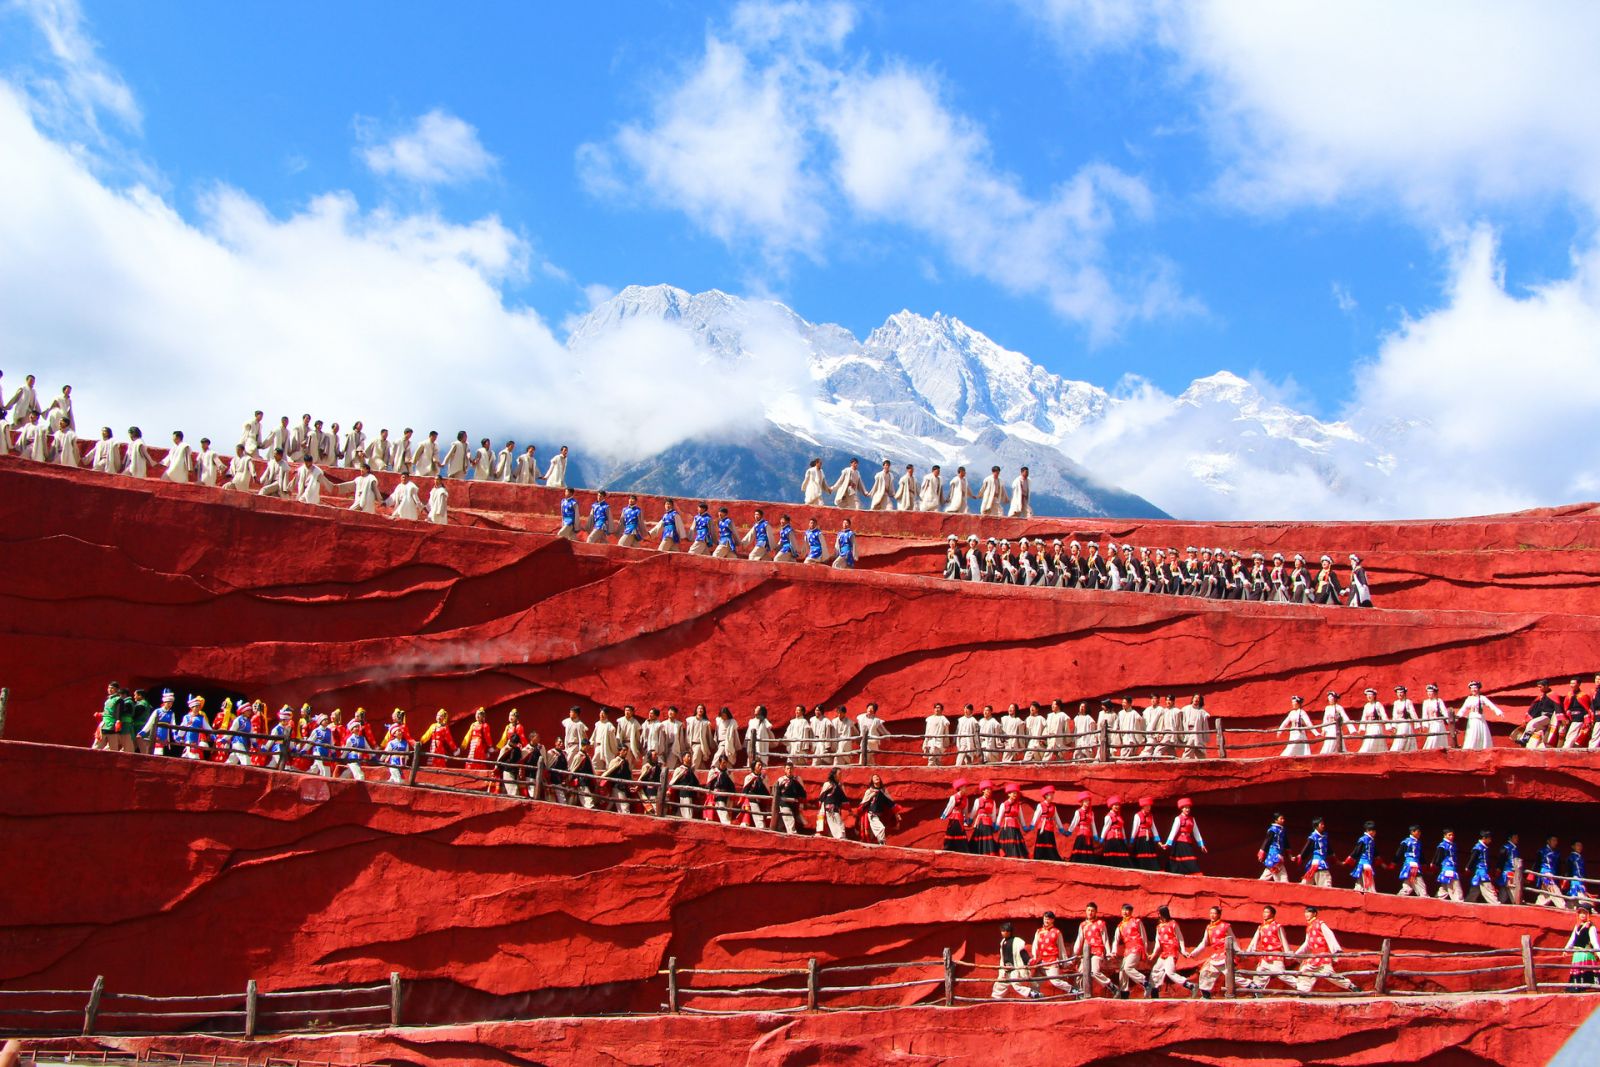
992	496
1435	724
364	493
813	486
60	411
137	464
425	461
1299	726
483	464
849	490
967	736
241	472
932	494
406	501
309	482
23	403
821	738
960	496
276	438
905	493
300	440
935	734
251	437
66	448
439	506
1334	724
606	742
207	467
882	492
758	739
1021	505
275	479
527	469
1477	733
33	441
355	446
872	731
556	476
797	739
1402	720
1374	723
180	463
107	457
505	465
455	460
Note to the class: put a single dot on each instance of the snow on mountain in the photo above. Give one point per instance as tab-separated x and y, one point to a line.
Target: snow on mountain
929	390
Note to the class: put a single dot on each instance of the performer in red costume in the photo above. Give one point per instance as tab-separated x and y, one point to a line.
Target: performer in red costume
1170	950
477	747
955	825
1049	948
1184	844
1128	945
1212	951
1091	939
1144	840
1114	835
981	821
1009	822
1080	832
1269	941
437	742
1317	953
1046	825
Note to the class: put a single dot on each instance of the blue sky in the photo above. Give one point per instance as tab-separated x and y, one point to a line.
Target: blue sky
271	98
1354	205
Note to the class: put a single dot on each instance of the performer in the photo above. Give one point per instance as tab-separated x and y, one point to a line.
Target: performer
831	799
1144	840
1317	953
905	492
700	540
599	519
1021	505
194	732
23	403
882	491
669	529
505	464
725	732
797	737
1544	881
1510	874
1047	826
1089	947
758	736
1114	836
405	501
786	548
725	537
1360	589
569	517
980	822
310	482
1129	946
555	477
1577	886
1184	843
790	792
756	798
477	747
960	494
1081	839
1014	967
1272	852
1584	944
878	810
1374	721
813	484
848	489
935	735
1009	822
758	537
275	476
606	741
1214	948
968	739
1170	949
1408	859
1049	950
1298	725
992	495
1478	876
1476	735
437	742
526	471
364	491
1435	721
844	547
681	789
931	496
1335	724
1402	720
1266	947
1362	859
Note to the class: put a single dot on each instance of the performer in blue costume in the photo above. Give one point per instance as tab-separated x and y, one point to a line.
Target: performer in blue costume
669	529
1447	880
1478	876
786	552
759	537
1549	890
1509	877
813	543
1314	854
599	519
1408	857
1361	859
631	517
725	537
700	540
1271	853
569	517
845	547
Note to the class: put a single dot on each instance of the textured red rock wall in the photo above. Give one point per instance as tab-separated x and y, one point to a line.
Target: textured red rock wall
222	593
166	877
1468	1032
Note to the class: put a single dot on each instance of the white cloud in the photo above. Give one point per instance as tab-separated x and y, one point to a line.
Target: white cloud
439	149
774	135
81	85
347	313
1342	299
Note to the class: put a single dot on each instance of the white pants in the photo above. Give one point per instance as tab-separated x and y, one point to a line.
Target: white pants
1053	972
1274	874
1017	979
319	768
758	819
240	757
1096	971
1550	896
1129	972
965	755
935	753
685	809
1487	891
1266	971
875	827
1450	890
834	821
355	771
1321	877
395	774
1413	887
789	820
724	552
1166	970
757	554
724	816
1210	973
1309	973
508	782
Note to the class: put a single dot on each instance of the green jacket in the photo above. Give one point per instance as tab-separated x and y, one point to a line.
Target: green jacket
108	714
134	714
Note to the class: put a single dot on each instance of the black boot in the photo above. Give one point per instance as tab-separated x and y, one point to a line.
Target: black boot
1122	994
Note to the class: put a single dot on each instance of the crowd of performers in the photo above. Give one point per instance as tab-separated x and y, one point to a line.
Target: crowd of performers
997	820
932	492
1484	872
1120	958
1211	573
1566	721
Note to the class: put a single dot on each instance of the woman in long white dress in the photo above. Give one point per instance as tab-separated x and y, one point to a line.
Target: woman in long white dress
1477	732
1374	723
813	485
1435	721
1334	725
1402	722
1298	724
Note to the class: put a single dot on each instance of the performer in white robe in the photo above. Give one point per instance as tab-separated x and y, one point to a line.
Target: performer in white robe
241	470
319	444
935	736
882	492
425	461
1033	726
64	446
207	464
107	455
1335	724
406	500
1196	729
483	463
277	438
1402	722
310	482
1021	496
33	440
905	491
453	463
403	453
607	743
872	731
1374	724
378	451
814	484
61	409
505	463
1477	733
992	495
846	741
1086	739
137	461
848	490
439	503
931	495
822	735
354	446
300	441
1435	721
1057	725
758	737
1128	738
969	738
364	494
797	738
1298	726
527	467
556	476
23	402
961	494
180	460
727	737
251	437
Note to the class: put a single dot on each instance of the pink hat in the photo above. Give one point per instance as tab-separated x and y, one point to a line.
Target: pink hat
1013	787
1145	802
1048	791
1113	800
959	783
1185	802
1082	798
986	784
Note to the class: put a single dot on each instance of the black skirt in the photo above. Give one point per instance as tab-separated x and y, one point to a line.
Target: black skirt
1184	858
1146	854
1082	850
1044	846
1114	852
982	842
955	835
1012	842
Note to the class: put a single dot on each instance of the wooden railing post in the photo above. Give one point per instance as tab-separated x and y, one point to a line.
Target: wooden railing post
1382	986
92	1010
250	1009
1528	977
949	979
672	983
396	991
5	698
1222	740
538	778
1086	988
863	754
1228	950
1449	732
811	984
661	792
416	762
1105	742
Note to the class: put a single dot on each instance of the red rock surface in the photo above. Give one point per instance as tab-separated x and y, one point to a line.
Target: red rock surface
222	593
1456	1032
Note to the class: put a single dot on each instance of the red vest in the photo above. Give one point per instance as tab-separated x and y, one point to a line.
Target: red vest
1130	934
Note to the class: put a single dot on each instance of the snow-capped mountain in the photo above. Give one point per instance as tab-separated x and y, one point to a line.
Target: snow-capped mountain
929	390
